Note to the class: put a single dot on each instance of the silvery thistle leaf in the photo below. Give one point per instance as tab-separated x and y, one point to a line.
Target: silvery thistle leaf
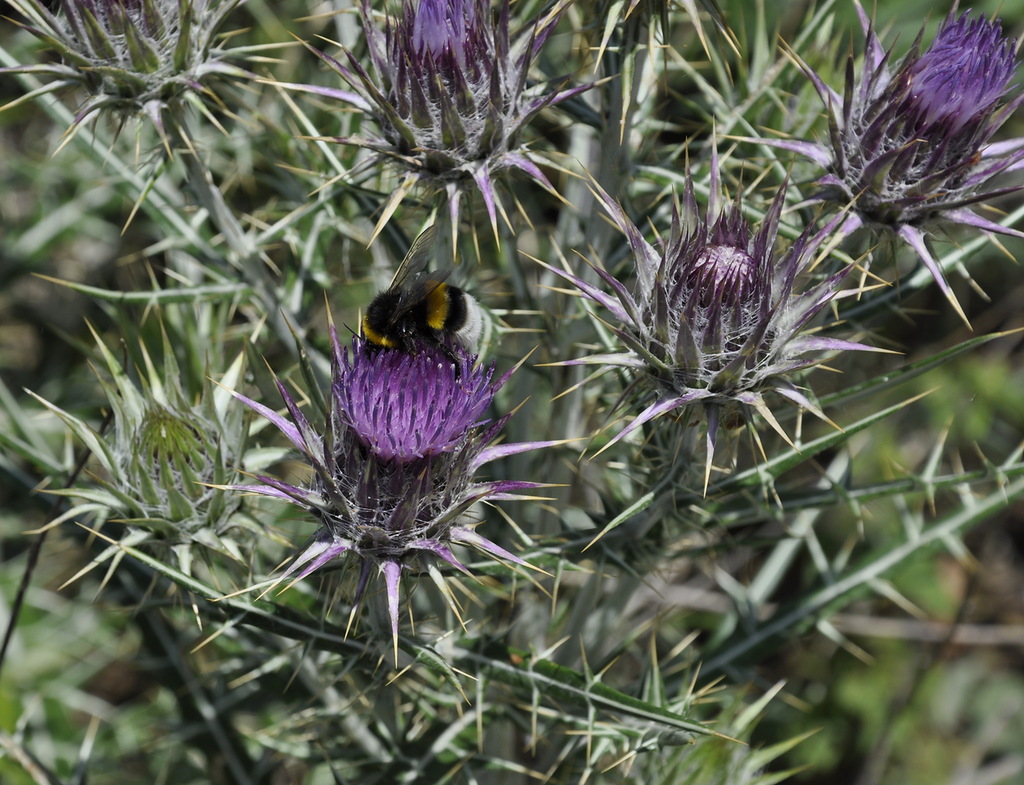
447	87
716	317
393	469
131	56
909	144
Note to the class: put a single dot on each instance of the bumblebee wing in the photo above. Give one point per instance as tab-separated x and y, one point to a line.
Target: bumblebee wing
418	258
413	283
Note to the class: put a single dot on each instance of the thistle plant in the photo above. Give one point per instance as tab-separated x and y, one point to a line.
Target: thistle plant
393	468
448	86
131	56
344	572
718	318
910	144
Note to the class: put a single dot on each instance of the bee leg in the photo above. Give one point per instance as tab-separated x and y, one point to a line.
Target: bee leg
447	351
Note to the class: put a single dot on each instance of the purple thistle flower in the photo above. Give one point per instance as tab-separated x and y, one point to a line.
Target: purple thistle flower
909	145
440	26
405	420
715	318
448	90
393	470
130	56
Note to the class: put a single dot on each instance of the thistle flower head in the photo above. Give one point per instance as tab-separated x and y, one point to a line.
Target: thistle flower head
158	463
447	87
131	56
963	75
403	420
910	144
393	469
716	318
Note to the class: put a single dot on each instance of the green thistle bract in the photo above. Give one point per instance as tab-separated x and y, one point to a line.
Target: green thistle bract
716	319
393	469
131	56
448	90
909	146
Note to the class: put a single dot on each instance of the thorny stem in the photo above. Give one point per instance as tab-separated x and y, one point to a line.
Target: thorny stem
807	608
625	61
219	740
245	254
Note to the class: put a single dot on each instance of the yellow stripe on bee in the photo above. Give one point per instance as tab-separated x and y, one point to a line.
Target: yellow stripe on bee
375	337
437	307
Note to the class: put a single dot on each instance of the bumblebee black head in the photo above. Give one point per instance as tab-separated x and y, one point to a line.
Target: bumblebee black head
377	322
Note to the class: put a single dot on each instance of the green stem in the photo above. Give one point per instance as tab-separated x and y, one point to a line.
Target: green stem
807	608
245	255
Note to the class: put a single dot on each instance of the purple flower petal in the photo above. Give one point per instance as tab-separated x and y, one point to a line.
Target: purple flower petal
347	96
969	218
656	409
915	239
815	343
440	550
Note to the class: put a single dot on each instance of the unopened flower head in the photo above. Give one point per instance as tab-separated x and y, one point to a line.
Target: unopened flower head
715	318
393	470
163	457
447	87
910	144
131	56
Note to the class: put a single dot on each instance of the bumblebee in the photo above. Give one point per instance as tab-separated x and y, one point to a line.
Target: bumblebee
420	309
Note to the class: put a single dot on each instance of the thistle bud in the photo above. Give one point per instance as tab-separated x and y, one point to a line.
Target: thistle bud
447	87
716	319
131	56
910	144
158	465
